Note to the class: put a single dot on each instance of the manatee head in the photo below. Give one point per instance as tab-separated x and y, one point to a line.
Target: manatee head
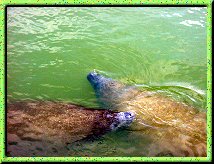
108	121
122	120
101	83
110	93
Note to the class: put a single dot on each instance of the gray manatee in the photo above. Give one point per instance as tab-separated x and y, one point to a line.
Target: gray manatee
172	126
46	128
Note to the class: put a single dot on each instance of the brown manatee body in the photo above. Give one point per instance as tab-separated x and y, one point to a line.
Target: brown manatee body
174	127
45	128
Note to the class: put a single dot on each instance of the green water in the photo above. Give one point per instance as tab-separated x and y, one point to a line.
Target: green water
50	51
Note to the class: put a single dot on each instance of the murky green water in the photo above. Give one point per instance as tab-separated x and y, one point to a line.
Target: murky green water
51	50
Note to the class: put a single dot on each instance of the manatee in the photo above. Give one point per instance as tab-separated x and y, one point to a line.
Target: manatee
46	128
174	127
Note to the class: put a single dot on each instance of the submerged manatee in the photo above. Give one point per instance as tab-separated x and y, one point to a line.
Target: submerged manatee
173	126
45	128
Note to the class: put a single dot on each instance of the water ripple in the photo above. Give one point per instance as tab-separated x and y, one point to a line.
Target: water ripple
191	23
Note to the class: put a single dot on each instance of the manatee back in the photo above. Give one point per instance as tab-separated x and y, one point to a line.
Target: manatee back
45	128
112	94
174	125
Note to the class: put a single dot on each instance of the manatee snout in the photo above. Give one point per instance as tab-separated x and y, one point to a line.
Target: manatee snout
122	120
91	76
126	116
94	78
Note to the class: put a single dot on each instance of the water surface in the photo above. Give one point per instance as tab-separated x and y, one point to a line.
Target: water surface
50	51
